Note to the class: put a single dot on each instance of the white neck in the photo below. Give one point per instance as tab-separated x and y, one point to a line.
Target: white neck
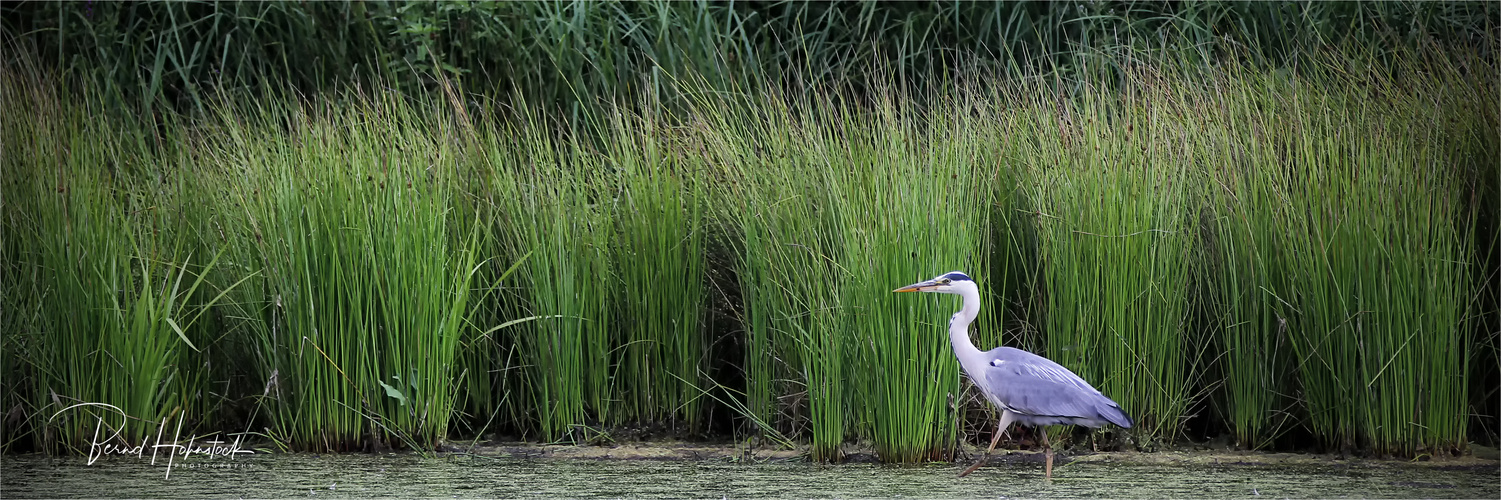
964	348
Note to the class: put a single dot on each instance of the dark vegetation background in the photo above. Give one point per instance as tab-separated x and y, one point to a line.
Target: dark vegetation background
573	54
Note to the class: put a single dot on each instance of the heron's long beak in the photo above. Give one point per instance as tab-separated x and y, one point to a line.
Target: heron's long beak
923	286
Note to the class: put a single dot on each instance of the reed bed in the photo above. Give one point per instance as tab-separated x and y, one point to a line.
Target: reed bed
776	194
1294	251
342	213
1349	260
1243	254
660	237
923	208
116	276
829	214
554	218
1381	267
1110	188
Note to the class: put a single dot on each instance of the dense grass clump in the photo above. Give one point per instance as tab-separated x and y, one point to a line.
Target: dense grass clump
830	214
1248	320
661	233
107	302
554	218
342	213
777	190
1380	261
921	211
1343	218
1110	188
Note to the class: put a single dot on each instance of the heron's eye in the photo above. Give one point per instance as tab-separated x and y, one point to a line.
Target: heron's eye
944	281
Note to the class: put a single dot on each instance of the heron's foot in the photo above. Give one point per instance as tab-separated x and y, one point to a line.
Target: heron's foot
976	466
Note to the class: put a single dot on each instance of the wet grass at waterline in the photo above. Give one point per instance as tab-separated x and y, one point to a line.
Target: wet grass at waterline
1293	252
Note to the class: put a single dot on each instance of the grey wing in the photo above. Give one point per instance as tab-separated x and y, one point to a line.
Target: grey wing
1042	392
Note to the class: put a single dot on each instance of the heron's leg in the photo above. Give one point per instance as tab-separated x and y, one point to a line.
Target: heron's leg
1006	418
1000	430
1047	451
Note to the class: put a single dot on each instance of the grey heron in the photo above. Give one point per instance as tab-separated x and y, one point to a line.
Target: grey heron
1027	388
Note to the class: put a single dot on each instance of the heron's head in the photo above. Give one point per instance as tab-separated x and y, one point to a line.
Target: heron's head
951	282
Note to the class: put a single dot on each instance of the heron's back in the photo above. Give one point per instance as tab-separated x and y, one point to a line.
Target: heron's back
1041	392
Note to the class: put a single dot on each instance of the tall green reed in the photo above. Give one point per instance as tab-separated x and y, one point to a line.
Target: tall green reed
1380	263
1243	258
366	278
660	242
732	141
117	275
552	200
781	196
917	183
1108	180
833	202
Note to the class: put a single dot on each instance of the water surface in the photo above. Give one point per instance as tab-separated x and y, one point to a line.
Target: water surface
464	476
